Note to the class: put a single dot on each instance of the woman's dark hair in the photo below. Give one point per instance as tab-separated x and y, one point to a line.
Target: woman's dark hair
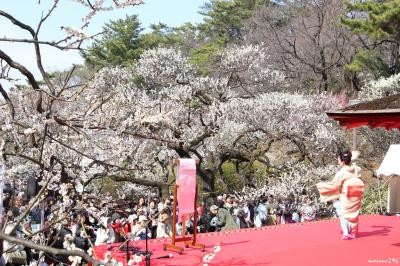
345	156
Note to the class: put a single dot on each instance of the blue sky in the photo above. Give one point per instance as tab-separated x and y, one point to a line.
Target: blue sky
171	12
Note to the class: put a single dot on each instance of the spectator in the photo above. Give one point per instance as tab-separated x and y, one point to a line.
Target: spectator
153	213
104	234
163	229
288	211
141	232
225	219
307	211
229	203
262	214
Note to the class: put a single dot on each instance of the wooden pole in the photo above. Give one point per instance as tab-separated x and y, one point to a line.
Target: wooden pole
195	217
174	215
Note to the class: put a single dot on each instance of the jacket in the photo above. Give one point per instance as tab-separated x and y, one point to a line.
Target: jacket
225	220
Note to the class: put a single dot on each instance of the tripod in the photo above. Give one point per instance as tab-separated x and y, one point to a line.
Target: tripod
146	253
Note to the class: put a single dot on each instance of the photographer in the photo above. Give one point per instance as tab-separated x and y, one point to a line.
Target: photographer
225	220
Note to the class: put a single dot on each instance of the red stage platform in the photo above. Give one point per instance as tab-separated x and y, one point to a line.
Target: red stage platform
316	243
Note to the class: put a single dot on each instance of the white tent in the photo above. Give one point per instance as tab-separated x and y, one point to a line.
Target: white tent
391	167
391	162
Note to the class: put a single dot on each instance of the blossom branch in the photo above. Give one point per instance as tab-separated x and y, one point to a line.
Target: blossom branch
47	249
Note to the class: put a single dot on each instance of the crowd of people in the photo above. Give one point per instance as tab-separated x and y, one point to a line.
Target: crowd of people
106	222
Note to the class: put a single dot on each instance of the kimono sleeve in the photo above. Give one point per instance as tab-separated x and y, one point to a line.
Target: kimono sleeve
330	190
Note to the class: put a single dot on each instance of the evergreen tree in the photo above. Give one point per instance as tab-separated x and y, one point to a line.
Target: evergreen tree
119	45
380	20
223	24
123	42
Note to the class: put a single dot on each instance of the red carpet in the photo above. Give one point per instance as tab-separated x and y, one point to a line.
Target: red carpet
316	243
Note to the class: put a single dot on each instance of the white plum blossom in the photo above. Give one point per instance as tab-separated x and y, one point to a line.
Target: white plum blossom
79	33
297	179
382	87
115	126
131	123
164	67
250	64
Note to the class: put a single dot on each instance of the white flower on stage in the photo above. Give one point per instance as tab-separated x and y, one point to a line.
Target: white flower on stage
107	257
137	259
206	258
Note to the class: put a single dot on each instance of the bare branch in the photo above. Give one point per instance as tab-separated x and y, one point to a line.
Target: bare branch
128	178
17	22
91	158
43	19
51	43
24	71
90	5
8	100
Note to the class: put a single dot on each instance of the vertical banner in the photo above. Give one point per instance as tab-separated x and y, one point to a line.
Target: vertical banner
187	186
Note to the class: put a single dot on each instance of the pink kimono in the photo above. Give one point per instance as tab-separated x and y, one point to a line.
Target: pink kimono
348	188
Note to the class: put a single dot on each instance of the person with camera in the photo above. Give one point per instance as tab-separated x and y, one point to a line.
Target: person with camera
225	220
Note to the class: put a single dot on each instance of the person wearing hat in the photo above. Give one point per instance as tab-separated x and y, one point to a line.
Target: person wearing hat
212	219
163	229
225	220
104	234
141	232
132	219
142	218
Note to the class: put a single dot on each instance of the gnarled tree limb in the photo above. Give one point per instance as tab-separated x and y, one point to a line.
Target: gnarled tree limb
47	249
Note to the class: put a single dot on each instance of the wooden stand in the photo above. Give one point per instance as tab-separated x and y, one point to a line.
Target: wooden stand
188	240
193	241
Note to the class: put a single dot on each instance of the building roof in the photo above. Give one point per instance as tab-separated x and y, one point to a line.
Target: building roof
386	103
383	112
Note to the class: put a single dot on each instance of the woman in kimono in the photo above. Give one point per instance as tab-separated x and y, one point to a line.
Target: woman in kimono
348	188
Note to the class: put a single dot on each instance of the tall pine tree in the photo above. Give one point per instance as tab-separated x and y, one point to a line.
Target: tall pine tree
380	20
